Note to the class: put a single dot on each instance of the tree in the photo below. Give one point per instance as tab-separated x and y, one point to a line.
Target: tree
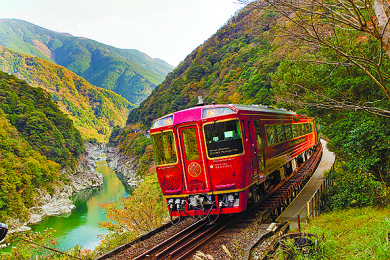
144	210
351	33
334	66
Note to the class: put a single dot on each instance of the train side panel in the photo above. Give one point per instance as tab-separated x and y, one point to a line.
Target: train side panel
213	164
285	141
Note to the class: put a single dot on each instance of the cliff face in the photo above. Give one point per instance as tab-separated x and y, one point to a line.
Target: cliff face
58	201
125	166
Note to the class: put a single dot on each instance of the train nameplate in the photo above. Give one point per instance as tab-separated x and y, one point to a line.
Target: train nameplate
223	165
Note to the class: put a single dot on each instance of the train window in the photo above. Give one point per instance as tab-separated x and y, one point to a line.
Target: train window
309	128
288	130
271	134
296	127
258	134
261	160
295	130
302	130
190	144
281	133
164	148
223	138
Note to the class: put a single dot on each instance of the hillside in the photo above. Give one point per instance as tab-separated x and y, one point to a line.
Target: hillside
255	59
262	57
129	73
36	140
230	67
94	110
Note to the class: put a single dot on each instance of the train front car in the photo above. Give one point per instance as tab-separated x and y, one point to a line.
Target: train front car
212	160
200	163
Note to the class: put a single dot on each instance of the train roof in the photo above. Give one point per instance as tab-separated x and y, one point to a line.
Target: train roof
195	113
261	108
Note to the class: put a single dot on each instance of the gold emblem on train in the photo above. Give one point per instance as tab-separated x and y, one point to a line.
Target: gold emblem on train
194	169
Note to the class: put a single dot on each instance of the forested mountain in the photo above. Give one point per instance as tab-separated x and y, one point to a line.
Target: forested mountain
94	110
129	73
322	67
232	66
36	140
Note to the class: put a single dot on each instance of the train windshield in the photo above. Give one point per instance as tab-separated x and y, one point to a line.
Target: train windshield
223	138
164	148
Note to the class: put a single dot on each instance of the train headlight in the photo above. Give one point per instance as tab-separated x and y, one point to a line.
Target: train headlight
210	113
216	111
168	120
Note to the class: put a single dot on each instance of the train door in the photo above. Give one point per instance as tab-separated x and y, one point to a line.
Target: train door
192	154
253	151
249	151
260	140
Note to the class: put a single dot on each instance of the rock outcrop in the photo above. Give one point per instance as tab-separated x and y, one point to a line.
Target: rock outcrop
83	177
124	166
51	205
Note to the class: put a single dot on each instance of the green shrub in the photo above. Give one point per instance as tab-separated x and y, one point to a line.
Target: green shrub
353	189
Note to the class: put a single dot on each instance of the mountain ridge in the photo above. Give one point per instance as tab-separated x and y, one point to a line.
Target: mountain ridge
232	66
94	110
37	140
128	72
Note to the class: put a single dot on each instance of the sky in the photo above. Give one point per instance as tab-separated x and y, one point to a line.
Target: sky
165	29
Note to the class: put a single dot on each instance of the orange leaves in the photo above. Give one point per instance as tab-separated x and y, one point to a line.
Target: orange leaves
143	211
236	98
194	87
362	38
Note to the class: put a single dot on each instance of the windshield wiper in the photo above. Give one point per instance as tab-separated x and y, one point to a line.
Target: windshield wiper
215	120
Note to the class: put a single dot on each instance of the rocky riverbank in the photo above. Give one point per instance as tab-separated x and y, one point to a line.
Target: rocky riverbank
124	166
57	202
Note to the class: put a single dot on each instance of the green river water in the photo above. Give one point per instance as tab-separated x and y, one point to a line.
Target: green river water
81	226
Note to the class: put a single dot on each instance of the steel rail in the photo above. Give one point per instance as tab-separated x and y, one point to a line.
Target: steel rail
173	239
192	245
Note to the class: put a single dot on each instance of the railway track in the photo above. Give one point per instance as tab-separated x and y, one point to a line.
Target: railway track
282	195
182	244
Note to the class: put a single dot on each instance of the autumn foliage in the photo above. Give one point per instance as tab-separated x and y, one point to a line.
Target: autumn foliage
93	110
143	211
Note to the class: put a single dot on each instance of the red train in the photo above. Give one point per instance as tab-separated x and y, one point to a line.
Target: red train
213	159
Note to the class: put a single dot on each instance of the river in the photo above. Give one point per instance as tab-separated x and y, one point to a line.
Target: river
80	227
